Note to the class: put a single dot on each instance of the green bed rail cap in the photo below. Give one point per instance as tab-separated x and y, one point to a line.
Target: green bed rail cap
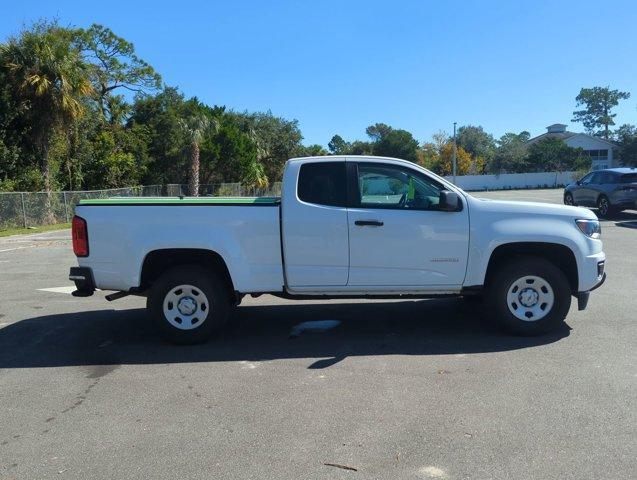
264	201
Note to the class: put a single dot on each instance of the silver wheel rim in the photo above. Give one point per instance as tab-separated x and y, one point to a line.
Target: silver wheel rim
603	206
186	307
530	298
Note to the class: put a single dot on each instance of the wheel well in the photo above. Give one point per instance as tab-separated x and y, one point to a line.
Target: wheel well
158	261
560	255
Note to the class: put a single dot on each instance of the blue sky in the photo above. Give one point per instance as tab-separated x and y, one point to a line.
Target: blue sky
339	66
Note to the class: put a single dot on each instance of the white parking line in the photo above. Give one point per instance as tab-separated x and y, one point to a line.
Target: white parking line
16	248
66	290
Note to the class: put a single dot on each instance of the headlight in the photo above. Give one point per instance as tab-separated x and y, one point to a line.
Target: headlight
590	228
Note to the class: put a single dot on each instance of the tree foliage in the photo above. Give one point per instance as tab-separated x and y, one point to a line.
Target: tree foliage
385	142
551	154
510	155
114	65
627	139
598	103
47	81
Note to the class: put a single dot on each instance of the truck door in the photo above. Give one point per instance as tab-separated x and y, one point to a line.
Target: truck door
397	235
314	224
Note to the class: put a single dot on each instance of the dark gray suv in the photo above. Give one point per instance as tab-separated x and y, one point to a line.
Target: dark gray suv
611	190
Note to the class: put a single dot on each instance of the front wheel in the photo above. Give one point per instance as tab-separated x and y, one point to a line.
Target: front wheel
188	304
568	199
530	296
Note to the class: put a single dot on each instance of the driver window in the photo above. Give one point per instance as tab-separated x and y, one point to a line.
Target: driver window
587	179
388	186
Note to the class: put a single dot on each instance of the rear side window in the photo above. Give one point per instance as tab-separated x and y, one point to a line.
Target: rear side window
323	183
628	178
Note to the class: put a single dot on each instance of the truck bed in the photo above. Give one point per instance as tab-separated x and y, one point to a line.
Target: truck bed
123	231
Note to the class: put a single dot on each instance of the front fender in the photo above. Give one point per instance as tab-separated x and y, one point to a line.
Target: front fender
488	236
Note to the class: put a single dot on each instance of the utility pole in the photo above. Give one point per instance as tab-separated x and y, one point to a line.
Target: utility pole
455	150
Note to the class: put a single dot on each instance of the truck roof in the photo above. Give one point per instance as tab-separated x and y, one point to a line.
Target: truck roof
366	158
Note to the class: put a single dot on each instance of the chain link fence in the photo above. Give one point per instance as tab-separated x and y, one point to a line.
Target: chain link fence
31	209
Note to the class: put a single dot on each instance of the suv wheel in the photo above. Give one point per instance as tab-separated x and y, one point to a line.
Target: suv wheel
530	296
604	208
188	304
568	199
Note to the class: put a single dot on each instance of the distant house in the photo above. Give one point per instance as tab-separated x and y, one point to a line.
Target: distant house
602	152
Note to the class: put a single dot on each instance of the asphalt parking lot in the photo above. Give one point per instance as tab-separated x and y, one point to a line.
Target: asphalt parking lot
400	389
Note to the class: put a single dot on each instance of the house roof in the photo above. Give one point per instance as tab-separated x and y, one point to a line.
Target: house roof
597	139
561	135
565	134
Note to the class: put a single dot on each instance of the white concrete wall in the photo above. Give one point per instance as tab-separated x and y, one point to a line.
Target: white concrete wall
513	180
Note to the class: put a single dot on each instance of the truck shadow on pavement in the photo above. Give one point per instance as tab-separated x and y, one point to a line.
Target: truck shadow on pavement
261	333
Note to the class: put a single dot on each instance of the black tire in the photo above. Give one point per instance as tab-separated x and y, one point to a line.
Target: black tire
568	199
215	299
504	279
604	207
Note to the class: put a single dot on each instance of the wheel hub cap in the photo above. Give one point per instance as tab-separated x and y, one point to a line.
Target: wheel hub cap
528	297
187	306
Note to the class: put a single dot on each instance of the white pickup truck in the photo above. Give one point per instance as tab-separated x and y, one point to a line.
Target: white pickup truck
344	227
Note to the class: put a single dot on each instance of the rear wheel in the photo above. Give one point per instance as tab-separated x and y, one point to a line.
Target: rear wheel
188	304
604	208
530	296
568	199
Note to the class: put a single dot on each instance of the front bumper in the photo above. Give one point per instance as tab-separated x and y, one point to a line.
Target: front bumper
84	282
582	297
589	271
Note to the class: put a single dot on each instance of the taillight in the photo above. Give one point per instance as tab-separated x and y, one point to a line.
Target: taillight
79	233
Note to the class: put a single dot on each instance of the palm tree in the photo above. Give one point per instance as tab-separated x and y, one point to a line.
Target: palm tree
46	75
194	128
254	176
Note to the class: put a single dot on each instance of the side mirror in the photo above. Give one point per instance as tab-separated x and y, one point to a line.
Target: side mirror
449	201
579	182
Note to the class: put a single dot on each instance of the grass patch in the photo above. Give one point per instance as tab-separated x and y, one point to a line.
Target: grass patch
43	228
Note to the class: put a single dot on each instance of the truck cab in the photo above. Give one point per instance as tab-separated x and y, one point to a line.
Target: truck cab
362	225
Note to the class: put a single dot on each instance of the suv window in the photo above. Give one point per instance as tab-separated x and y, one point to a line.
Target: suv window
596	179
323	183
586	179
389	186
606	177
628	178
